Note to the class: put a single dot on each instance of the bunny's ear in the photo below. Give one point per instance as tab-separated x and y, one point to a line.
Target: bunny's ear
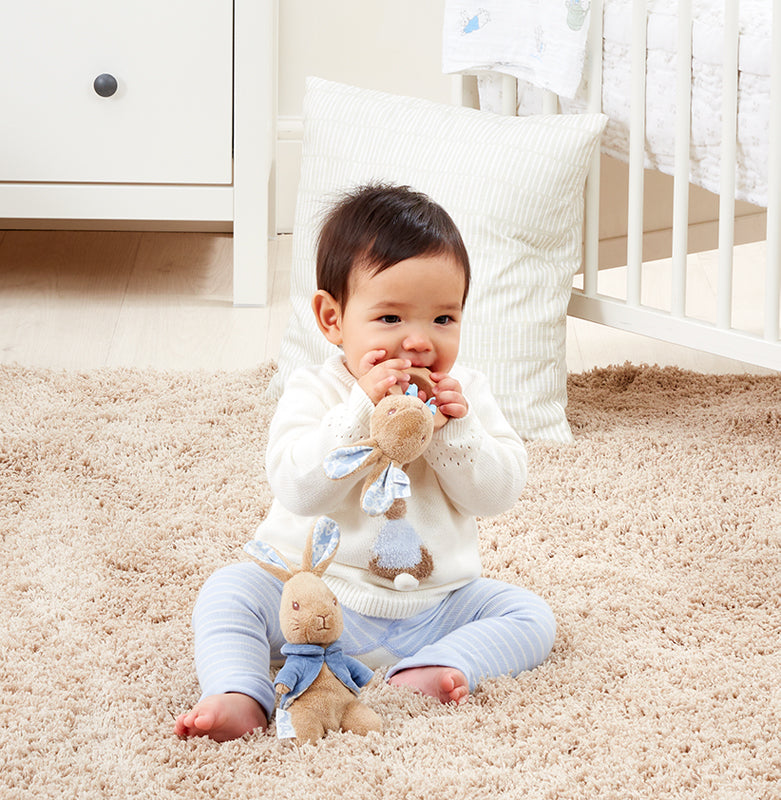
270	559
343	461
391	484
413	391
321	546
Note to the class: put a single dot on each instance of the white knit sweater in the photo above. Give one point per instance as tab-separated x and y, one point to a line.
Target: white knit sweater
474	466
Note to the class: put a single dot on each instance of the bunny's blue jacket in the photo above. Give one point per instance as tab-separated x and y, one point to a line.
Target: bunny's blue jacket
304	662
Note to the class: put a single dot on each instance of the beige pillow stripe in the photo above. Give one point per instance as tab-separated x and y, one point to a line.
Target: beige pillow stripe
513	185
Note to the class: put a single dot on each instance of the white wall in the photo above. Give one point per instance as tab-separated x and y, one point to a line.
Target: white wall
391	46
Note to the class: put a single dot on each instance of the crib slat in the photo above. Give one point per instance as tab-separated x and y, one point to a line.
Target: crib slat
773	265
550	102
509	96
630	315
681	177
591	217
729	138
634	246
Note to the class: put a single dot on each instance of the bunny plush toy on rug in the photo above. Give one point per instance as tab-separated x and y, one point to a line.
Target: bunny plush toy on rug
401	428
318	686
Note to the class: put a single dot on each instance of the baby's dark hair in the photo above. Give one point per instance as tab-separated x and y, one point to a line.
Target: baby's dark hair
378	225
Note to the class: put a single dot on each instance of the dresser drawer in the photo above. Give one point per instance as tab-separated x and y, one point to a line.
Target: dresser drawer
169	119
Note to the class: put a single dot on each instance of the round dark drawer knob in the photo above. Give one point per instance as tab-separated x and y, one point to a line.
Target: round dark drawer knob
105	85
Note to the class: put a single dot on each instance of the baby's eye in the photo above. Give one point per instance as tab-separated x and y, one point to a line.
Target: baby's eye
390	319
444	319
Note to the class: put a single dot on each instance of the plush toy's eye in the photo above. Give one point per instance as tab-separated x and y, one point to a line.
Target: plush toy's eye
335	603
391	412
295	606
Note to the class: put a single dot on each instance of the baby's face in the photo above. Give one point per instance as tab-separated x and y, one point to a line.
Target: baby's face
411	310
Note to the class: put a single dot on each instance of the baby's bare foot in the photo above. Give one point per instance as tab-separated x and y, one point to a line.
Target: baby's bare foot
447	684
222	717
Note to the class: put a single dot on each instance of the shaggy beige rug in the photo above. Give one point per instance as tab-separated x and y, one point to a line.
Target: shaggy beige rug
655	538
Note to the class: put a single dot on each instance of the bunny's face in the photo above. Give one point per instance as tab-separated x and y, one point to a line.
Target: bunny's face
309	612
402	426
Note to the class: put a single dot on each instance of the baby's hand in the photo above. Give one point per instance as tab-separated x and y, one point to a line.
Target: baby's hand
449	398
378	376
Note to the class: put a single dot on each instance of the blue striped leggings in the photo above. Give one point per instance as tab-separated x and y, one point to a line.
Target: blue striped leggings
485	629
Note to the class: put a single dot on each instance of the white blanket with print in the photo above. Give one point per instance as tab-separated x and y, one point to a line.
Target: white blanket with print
539	41
708	43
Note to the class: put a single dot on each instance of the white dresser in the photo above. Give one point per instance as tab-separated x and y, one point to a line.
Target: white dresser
142	110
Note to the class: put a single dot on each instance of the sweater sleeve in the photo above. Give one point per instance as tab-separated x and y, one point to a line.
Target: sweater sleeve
316	414
480	460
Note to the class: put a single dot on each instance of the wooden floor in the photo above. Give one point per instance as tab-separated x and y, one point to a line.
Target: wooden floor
87	299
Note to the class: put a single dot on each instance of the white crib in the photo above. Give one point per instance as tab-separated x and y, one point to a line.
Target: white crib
758	343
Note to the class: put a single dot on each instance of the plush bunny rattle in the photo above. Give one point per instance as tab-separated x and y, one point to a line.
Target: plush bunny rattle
400	430
421	378
318	685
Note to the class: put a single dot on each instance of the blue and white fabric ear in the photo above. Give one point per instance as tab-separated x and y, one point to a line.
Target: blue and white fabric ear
413	391
266	554
320	550
343	461
392	484
325	540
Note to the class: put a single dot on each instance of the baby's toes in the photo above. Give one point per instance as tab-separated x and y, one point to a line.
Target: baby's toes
453	687
459	695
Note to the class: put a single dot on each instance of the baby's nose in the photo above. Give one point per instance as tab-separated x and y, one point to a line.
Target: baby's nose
417	341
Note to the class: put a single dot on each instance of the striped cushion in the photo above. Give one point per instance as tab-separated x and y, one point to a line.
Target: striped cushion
513	185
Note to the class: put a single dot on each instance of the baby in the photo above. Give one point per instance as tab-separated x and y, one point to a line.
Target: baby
393	277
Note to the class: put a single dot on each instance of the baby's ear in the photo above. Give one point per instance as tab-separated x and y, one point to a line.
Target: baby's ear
328	315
